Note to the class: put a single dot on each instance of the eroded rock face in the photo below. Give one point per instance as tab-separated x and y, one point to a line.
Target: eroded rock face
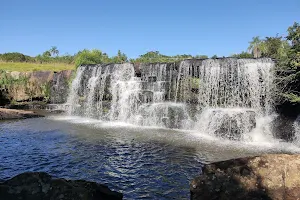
41	186
38	85
275	177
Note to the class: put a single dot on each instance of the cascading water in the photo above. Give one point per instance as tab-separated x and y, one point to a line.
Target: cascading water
224	97
232	94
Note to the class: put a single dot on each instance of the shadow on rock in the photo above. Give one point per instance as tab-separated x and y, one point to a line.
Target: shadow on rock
41	186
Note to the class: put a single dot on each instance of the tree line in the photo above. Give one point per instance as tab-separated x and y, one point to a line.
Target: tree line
94	56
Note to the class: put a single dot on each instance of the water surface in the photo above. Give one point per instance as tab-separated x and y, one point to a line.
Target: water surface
142	163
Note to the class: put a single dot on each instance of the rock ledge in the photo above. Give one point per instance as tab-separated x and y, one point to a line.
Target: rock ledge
17	114
271	177
41	186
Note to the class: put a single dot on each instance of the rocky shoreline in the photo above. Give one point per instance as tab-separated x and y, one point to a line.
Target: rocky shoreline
271	177
6	114
41	186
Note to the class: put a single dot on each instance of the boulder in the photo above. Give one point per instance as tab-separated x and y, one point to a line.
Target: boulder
17	114
41	186
274	176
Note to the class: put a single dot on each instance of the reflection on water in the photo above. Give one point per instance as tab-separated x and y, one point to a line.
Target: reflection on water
142	163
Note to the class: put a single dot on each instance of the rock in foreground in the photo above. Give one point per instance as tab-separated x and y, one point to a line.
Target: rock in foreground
16	114
41	186
272	177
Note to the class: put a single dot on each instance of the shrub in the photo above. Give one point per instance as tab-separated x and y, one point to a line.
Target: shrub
87	57
13	57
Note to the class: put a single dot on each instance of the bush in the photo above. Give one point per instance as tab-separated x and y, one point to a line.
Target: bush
13	57
87	57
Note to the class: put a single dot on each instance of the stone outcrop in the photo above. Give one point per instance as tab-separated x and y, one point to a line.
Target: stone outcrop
41	186
17	114
37	85
271	177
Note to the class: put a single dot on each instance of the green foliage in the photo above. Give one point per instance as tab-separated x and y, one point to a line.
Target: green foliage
294	36
201	56
293	98
254	47
242	55
6	81
120	58
46	54
288	64
46	91
194	82
152	57
54	51
214	57
87	57
156	56
13	57
274	47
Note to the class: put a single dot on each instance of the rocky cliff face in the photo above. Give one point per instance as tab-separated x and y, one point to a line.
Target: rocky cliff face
274	177
38	85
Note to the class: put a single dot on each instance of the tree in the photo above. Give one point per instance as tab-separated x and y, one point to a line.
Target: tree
46	54
274	47
54	51
94	56
201	56
254	47
120	58
214	57
288	75
242	55
13	57
294	36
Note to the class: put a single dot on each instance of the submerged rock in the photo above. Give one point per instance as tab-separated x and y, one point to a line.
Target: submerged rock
17	114
41	186
275	176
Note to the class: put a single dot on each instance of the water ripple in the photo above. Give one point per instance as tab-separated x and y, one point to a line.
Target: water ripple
138	168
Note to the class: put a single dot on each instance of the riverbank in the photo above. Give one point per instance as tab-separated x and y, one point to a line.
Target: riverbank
272	177
17	114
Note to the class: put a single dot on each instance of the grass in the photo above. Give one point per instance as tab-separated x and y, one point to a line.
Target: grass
26	67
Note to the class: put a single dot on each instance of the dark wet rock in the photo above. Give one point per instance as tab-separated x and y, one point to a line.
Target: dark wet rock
4	99
41	186
288	109
59	86
17	114
275	176
283	128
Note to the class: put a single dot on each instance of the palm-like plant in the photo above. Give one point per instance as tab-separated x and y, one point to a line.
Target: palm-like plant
54	50
254	47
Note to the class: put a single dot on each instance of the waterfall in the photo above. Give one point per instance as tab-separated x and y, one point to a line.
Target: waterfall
224	97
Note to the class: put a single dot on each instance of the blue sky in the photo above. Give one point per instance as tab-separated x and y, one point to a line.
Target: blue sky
172	27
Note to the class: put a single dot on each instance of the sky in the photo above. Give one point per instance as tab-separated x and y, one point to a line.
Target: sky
195	27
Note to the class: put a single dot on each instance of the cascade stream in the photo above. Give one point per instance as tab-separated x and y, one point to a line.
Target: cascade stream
226	97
